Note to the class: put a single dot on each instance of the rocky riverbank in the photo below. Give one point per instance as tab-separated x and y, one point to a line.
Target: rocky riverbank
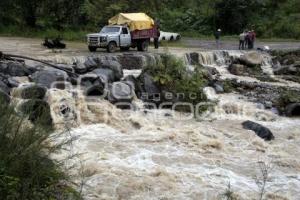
132	148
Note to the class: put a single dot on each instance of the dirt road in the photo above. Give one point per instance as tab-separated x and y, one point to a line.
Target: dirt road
32	47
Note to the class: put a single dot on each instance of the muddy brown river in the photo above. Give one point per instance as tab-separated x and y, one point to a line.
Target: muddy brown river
160	154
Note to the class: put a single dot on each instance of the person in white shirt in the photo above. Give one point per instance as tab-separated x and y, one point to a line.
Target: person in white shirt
242	40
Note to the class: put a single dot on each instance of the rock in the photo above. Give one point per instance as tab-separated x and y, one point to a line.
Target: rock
219	87
30	91
287	70
50	78
4	87
237	69
4	97
91	63
115	67
149	89
80	68
92	84
293	110
132	80
193	58
14	68
120	92
251	59
106	75
132	61
37	111
260	130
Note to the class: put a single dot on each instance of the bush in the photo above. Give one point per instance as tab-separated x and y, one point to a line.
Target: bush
172	76
26	171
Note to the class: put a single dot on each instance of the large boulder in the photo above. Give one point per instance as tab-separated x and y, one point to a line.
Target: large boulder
92	85
293	110
114	66
260	130
50	78
106	75
4	97
13	68
30	91
120	92
149	89
251	59
37	111
4	87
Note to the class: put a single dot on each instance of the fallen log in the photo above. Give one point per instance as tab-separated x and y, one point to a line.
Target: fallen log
15	57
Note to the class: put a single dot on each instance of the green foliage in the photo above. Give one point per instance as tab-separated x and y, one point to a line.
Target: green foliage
26	170
192	17
172	76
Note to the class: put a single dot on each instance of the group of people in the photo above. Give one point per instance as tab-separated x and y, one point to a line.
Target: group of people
247	40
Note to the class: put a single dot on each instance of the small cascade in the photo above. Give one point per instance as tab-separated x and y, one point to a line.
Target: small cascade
207	58
267	65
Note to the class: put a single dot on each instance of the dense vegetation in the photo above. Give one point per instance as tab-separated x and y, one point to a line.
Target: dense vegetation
194	17
26	170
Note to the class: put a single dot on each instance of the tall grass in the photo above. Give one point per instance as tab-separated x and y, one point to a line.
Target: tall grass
70	35
26	170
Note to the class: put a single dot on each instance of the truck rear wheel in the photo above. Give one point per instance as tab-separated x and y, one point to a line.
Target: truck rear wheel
111	47
92	49
143	45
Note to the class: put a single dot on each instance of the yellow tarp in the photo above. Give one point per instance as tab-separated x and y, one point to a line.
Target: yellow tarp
135	21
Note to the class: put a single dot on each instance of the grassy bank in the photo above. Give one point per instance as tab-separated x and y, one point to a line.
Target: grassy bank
69	35
26	170
80	35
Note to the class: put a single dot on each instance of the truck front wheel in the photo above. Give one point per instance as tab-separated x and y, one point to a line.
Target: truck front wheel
143	45
92	49
111	47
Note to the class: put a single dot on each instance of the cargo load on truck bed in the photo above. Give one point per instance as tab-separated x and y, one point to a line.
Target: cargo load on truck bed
135	21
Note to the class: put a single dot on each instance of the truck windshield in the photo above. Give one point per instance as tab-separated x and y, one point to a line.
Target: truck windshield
110	30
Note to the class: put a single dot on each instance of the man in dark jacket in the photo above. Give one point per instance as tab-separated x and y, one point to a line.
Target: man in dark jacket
218	36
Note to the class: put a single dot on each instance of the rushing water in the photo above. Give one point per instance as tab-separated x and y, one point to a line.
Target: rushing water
160	154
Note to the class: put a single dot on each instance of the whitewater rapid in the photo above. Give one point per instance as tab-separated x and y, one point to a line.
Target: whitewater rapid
150	154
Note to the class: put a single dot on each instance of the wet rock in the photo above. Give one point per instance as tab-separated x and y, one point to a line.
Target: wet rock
133	81
30	91
50	78
91	63
194	58
106	75
237	69
219	87
4	97
121	92
251	59
80	68
4	87
149	89
260	130
293	110
14	68
92	84
287	70
114	66
37	111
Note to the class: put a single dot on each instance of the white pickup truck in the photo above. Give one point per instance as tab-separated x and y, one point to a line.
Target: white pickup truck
113	36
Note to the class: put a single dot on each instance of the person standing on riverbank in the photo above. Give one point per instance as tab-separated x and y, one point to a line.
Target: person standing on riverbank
242	40
218	37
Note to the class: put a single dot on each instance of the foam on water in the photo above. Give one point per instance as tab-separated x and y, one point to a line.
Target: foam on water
147	154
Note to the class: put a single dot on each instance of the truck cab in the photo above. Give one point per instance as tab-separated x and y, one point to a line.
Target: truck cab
113	36
110	37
